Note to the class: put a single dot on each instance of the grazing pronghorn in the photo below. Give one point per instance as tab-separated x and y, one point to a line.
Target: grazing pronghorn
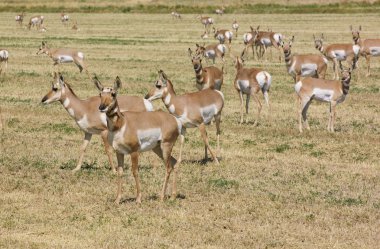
368	47
206	21
265	39
131	133
64	18
36	21
235	26
176	15
332	91
250	81
249	40
220	11
4	55
338	53
195	109
86	113
63	55
222	35
303	65
75	26
20	18
208	77
211	51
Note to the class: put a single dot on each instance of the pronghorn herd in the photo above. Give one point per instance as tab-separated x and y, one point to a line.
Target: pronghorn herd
130	126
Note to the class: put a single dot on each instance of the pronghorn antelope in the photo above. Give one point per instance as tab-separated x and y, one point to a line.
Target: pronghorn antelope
204	35
211	51
249	40
63	55
195	109
86	113
338	53
250	81
131	133
265	39
20	18
303	65
220	11
4	55
368	47
176	15
208	77
75	26
36	21
332	91
206	21
64	18
235	26
223	34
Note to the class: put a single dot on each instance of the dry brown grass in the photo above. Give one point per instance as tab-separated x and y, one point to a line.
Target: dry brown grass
275	188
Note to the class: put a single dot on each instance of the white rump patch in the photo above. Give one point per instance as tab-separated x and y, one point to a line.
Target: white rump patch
235	25
81	55
4	54
262	78
149	138
222	48
208	113
323	94
266	42
277	37
243	86
34	20
229	34
65	58
375	51
339	54
298	86
148	105
210	20
308	69
247	37
356	49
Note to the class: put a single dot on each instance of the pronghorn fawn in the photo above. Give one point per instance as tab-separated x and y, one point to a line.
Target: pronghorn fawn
332	91
206	21
20	18
250	81
338	53
36	21
303	65
208	77
368	47
196	109
211	51
63	55
86	113
235	27
265	39
4	55
131	133
222	35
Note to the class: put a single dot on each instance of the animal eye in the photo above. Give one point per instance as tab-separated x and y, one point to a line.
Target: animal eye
55	89
158	86
113	94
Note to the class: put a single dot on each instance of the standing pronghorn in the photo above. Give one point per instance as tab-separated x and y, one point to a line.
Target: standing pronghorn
303	65
36	21
220	11
249	40
206	21
211	51
20	18
250	81
87	116
235	26
131	133
222	35
63	55
332	91
195	109
338	53
265	39
368	47
176	15
75	26
64	18
4	55
208	77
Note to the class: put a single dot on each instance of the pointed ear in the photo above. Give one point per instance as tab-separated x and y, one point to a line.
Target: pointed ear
258	27
97	83
360	28
292	40
251	28
117	84
43	43
322	37
314	37
351	27
190	52
61	80
196	44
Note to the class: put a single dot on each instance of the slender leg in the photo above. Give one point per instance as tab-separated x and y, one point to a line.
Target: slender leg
120	166
368	59
247	107
305	106
259	107
300	114
202	129
135	172
332	115
86	141
182	141
108	150
241	107
217	124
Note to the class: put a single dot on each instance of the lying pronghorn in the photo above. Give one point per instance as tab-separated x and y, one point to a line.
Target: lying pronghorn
235	26
20	18
222	35
338	53
208	77
368	47
332	91
131	133
265	39
36	21
195	109
211	51
63	55
4	55
304	64
250	81
86	113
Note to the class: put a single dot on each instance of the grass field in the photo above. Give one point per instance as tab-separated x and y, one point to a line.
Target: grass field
275	188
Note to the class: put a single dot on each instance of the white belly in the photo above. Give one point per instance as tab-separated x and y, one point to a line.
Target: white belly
208	112
266	42
308	69
35	20
325	95
117	141
186	122
375	51
65	59
148	139
244	86
339	54
85	126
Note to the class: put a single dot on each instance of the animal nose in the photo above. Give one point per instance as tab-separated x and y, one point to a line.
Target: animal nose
147	96
102	107
43	99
